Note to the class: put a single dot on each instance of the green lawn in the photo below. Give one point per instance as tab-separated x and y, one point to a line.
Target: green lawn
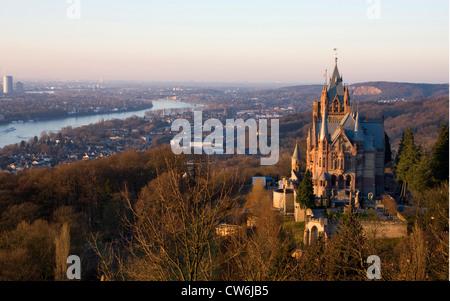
296	228
370	215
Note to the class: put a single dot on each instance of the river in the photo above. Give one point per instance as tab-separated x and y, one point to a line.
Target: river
17	131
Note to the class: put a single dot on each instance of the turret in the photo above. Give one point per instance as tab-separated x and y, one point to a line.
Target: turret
308	140
324	100
324	127
346	97
358	131
295	163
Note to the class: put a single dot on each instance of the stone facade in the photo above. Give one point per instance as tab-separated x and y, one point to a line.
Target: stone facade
385	229
344	154
284	197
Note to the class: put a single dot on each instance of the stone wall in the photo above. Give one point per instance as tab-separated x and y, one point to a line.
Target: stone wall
283	200
300	214
385	229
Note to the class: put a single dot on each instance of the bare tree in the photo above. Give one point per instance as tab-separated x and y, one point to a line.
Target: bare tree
413	257
389	204
263	252
62	246
173	224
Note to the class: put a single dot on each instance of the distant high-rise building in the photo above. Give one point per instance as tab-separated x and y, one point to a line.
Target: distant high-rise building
7	84
19	87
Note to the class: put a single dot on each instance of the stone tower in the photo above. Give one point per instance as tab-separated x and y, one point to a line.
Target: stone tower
295	164
343	153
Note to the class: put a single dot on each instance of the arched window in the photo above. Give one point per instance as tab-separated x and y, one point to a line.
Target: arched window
341	182
333	180
314	234
348	181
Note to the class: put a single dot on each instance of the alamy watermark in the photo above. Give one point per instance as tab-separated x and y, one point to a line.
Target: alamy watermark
74	270
73	11
374	10
374	270
213	143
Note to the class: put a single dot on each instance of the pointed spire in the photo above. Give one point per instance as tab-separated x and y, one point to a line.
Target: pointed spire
296	154
324	126
358	132
324	100
346	96
324	95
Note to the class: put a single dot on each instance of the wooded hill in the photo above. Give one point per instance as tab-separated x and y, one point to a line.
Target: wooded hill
424	116
369	91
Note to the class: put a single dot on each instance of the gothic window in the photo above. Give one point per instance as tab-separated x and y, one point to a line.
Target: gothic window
341	182
348	181
333	180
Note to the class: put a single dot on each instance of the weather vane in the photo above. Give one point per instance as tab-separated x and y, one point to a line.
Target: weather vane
335	53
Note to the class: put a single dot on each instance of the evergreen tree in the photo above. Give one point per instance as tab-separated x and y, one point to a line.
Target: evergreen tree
400	149
387	147
408	157
440	154
419	176
305	193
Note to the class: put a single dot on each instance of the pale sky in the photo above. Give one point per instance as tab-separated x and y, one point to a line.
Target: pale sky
230	41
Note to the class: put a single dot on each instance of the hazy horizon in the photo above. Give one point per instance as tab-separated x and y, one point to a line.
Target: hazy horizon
256	42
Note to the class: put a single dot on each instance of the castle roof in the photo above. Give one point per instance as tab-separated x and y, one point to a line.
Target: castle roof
323	176
296	154
358	131
330	126
335	86
324	126
372	133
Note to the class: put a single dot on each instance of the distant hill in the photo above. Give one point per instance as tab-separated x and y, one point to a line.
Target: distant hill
424	116
371	91
394	90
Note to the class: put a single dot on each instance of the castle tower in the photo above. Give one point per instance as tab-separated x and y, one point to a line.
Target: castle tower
347	106
324	100
338	95
358	136
295	164
343	152
324	127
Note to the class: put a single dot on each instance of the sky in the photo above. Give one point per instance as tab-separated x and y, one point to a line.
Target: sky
272	41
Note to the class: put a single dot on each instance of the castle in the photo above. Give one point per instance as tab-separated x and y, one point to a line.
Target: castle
344	154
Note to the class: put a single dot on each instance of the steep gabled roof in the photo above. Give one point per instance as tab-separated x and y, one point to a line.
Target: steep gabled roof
335	86
324	126
296	154
359	135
